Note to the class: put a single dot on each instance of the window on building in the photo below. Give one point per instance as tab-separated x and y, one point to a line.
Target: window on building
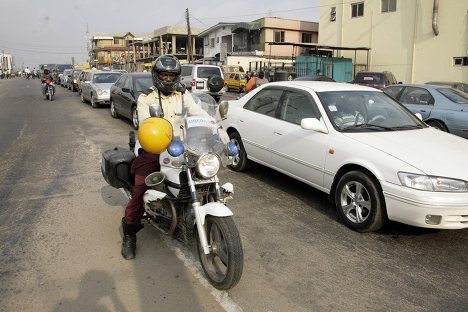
116	41
388	6
212	42
128	42
279	36
460	61
306	38
333	14
217	39
357	9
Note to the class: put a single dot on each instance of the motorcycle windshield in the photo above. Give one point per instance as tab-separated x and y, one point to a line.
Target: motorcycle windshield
203	133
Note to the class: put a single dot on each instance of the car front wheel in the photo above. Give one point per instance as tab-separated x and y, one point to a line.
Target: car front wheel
240	161
112	109
359	201
135	117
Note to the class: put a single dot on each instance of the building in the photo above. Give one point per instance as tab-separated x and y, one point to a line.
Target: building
6	61
169	40
417	40
243	43
112	49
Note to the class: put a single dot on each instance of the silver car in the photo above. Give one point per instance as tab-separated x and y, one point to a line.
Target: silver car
95	88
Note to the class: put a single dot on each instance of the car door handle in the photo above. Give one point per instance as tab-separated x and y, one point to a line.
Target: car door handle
278	133
422	110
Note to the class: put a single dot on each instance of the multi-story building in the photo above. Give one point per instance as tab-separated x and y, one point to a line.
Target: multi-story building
6	61
417	40
242	43
112	49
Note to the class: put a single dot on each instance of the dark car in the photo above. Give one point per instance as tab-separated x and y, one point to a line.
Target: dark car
376	80
57	71
72	82
124	95
456	85
314	78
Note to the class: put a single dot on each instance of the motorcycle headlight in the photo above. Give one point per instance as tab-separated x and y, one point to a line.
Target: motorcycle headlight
432	183
99	92
208	165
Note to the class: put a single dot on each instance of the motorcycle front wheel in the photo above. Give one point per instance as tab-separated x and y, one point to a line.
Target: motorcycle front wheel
223	265
50	95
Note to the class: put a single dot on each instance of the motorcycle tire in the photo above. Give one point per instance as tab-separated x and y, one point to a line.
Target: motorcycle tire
51	97
223	266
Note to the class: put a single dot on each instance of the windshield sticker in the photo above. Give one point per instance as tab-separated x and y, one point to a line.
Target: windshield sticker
332	108
200	121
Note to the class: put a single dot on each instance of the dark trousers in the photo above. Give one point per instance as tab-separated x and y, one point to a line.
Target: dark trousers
142	166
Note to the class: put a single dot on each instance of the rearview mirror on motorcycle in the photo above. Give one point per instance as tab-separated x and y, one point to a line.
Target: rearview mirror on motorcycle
223	109
155	110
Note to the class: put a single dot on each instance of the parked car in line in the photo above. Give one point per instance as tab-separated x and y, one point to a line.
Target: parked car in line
124	95
235	81
65	78
314	78
72	85
375	159
95	88
203	78
457	85
376	80
57	72
81	78
441	107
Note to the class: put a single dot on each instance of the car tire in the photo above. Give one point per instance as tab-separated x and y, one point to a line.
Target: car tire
113	112
240	162
93	102
215	83
359	201
135	117
438	125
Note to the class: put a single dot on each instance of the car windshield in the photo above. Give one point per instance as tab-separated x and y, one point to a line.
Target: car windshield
143	84
454	95
76	74
205	72
106	78
367	111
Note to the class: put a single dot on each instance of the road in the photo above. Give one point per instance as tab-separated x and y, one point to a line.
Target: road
61	235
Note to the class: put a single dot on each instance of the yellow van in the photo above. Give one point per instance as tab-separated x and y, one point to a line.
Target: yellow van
232	69
235	81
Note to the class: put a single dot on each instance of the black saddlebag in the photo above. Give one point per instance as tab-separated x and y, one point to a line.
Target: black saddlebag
115	167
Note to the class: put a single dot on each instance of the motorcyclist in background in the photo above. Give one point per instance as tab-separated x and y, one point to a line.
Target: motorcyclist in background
46	76
168	92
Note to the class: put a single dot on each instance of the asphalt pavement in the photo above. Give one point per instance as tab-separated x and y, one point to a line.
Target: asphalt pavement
61	235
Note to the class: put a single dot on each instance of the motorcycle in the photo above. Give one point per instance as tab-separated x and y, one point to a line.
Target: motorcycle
186	199
50	90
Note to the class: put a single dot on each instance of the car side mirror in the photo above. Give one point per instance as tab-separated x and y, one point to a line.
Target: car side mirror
188	88
313	124
223	109
155	110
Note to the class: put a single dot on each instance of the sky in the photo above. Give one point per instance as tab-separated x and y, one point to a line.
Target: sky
54	31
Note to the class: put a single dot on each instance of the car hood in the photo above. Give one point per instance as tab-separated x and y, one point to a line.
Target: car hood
103	86
430	150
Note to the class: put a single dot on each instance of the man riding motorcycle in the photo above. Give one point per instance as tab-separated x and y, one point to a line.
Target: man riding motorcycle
46	76
170	94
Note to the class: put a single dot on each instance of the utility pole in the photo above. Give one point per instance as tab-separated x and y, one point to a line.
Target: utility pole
189	38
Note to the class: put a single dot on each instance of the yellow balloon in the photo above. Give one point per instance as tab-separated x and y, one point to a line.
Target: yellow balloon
155	134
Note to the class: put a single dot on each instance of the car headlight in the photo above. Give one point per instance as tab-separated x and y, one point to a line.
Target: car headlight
432	183
99	92
208	165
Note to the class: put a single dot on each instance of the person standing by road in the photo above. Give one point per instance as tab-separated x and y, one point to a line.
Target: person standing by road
251	83
261	79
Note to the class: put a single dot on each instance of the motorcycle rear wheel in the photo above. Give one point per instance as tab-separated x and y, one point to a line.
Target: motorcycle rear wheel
223	266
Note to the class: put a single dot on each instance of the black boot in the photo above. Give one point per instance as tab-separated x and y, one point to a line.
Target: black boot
129	239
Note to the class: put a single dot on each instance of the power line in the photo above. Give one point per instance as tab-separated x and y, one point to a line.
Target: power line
45	52
263	13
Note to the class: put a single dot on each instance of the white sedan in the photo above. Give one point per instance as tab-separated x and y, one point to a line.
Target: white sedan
375	159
